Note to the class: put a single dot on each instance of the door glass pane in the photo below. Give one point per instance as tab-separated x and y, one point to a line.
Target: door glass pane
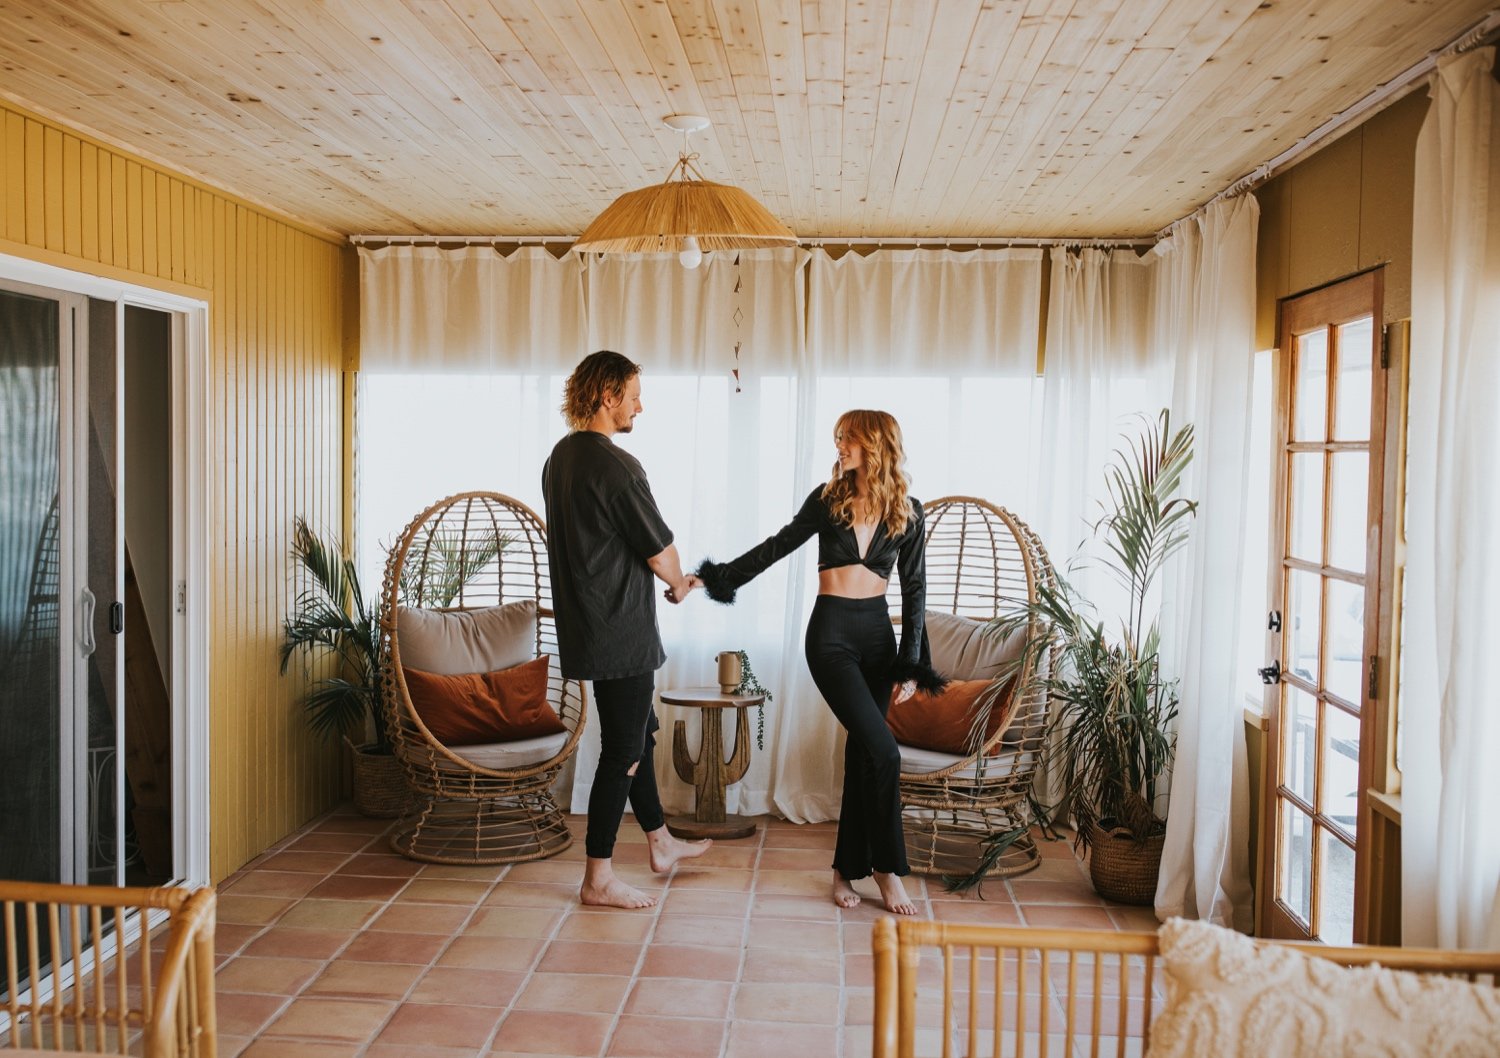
1310	393
147	596
1344	668
1348	510
1336	884
1351	395
1300	742
1293	884
1340	791
30	645
1305	518
1303	624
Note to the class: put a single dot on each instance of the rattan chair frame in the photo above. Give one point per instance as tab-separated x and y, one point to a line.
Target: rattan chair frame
981	561
465	813
148	996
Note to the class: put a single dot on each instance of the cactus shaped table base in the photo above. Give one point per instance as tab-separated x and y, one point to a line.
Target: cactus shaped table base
711	772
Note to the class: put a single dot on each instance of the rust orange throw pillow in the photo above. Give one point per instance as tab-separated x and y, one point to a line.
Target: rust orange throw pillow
475	708
942	722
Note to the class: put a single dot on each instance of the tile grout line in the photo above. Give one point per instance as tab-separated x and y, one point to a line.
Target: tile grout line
763	832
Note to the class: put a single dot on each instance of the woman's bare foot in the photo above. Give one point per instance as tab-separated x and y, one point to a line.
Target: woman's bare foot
602	889
843	893
893	893
665	849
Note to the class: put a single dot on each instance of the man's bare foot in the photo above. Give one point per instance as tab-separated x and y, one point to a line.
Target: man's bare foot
893	893
602	889
665	849
843	893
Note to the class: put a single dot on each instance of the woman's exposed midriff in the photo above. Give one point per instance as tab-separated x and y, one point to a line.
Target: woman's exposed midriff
851	582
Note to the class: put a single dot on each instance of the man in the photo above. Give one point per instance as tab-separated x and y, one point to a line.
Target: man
605	540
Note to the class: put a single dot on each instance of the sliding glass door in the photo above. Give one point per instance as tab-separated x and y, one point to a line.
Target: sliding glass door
61	648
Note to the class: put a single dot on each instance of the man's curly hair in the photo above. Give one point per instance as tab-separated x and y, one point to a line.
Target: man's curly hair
601	374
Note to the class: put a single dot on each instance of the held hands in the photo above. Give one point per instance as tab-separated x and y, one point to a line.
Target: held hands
908	689
678	592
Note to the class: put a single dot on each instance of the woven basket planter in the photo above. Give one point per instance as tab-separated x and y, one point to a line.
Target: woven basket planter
1122	869
380	788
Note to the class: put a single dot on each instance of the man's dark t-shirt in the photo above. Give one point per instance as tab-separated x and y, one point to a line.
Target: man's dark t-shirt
602	526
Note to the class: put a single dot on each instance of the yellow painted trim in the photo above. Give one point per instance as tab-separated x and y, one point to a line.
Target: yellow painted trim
104	271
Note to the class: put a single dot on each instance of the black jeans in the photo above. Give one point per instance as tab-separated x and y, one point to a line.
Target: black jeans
850	648
627	726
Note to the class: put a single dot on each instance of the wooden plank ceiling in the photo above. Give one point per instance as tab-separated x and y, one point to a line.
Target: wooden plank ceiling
844	117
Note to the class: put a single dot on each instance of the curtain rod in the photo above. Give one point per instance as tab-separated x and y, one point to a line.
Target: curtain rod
1372	102
895	242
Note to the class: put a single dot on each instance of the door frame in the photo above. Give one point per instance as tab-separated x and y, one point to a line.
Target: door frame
1363	287
191	475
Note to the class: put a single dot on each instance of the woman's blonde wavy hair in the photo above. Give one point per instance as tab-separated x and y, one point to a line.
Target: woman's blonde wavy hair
878	434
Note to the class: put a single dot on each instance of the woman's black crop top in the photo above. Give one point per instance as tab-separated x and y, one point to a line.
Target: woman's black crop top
837	546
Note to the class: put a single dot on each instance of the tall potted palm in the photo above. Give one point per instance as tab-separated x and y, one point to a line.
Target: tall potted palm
1113	717
331	620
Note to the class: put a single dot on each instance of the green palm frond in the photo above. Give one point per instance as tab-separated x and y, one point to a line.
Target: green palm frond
1144	524
329	618
450	560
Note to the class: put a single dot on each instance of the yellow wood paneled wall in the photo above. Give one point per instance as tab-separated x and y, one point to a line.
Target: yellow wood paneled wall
275	292
1342	210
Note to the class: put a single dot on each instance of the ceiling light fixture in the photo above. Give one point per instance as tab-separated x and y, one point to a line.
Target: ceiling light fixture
684	214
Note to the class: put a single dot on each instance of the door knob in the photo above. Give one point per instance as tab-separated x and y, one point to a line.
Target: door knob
1271	673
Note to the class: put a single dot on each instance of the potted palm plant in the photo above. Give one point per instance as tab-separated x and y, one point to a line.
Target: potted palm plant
1112	720
331	620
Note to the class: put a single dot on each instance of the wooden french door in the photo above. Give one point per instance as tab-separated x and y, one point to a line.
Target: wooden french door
1323	627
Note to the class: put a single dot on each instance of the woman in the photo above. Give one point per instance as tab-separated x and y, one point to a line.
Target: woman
866	525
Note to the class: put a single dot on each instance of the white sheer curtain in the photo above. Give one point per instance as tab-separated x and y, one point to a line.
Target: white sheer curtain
1204	319
718	452
945	342
466	351
1450	725
1101	372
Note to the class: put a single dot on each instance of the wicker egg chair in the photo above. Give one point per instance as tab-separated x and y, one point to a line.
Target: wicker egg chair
981	560
467	812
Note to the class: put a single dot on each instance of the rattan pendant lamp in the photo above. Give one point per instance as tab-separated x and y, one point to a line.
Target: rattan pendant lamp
684	214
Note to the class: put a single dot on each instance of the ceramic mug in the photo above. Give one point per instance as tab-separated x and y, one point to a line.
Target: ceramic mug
730	671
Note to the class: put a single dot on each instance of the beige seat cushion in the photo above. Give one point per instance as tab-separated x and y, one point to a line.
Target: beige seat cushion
961	650
1229	995
450	643
508	756
916	761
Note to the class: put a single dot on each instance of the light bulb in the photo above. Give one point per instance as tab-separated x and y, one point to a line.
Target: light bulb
690	256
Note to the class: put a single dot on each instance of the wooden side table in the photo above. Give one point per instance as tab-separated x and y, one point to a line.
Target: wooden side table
711	773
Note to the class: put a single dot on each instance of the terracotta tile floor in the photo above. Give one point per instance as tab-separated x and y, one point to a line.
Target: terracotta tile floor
332	946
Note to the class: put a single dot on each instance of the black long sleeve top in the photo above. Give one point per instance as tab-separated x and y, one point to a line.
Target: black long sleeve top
838	546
